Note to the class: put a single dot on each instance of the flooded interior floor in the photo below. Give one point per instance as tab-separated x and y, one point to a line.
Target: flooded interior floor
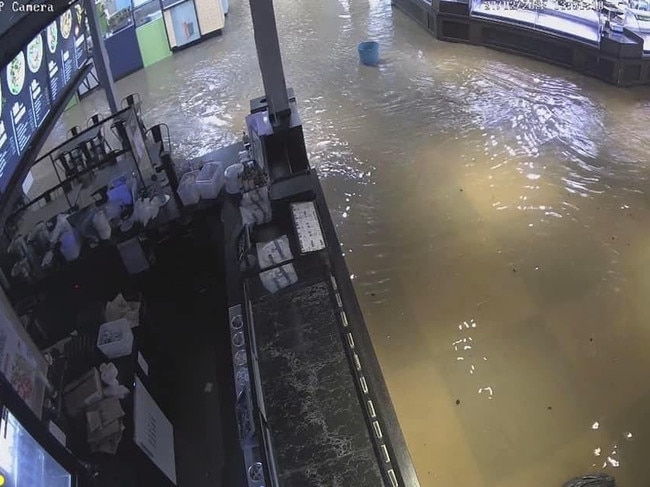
495	215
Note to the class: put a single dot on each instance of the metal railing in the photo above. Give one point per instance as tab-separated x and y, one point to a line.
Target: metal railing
93	162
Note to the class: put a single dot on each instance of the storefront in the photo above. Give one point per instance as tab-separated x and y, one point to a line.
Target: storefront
610	40
141	33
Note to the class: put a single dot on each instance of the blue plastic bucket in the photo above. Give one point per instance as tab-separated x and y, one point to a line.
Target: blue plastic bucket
369	53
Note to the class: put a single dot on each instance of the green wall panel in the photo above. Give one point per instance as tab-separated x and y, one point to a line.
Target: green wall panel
153	42
73	101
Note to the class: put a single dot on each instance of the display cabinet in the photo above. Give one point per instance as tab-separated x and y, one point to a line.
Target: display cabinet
23	461
189	21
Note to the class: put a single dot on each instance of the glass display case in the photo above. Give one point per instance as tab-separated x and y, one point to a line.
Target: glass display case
122	14
120	37
585	20
119	20
637	18
579	19
145	12
119	14
24	462
185	24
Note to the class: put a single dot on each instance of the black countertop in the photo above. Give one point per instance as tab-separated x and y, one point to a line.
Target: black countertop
317	425
313	393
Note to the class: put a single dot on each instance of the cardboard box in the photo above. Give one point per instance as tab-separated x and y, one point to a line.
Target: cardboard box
83	392
104	412
108	445
105	431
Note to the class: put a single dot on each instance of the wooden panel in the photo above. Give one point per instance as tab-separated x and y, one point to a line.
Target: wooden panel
210	15
170	29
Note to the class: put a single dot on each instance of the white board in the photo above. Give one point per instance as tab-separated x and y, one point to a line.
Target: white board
154	433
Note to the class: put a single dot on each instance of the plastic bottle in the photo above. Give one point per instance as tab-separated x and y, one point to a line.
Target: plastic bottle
102	225
233	178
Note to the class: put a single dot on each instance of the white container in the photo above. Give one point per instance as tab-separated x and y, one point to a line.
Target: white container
187	189
115	338
232	175
102	225
70	245
210	180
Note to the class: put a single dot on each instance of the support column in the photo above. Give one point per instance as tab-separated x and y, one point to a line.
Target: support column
270	59
100	57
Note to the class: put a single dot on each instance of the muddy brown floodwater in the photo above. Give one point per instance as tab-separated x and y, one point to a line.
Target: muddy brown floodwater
495	216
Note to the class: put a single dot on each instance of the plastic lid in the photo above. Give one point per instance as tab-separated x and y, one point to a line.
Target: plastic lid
189	177
234	169
208	171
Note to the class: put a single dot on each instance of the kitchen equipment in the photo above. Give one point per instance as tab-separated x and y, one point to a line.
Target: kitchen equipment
120	192
170	170
209	181
274	252
187	189
22	270
101	224
100	196
237	323
48	259
70	245
232	176
238	339
38	238
18	246
115	338
24	252
23	461
307	225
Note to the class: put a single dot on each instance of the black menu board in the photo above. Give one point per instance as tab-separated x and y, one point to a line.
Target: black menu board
66	45
19	101
34	80
8	152
79	29
37	79
54	59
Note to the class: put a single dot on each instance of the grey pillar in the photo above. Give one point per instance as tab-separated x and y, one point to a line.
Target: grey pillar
270	59
100	57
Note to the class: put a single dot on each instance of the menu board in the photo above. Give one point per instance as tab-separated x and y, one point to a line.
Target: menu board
34	80
8	151
37	79
80	52
54	59
66	46
18	100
